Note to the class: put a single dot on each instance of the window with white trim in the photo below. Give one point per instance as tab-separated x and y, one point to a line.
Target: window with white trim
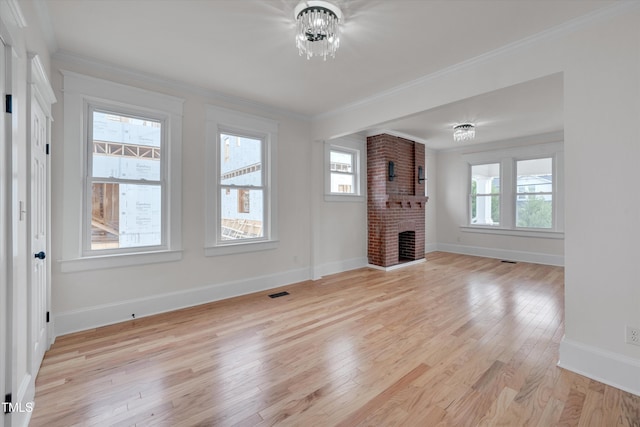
125	143
343	169
240	182
517	190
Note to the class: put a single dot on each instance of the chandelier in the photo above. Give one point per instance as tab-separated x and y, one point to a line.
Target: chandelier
464	132
317	29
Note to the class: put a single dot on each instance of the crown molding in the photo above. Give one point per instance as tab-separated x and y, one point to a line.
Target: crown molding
40	79
619	8
378	131
16	12
71	58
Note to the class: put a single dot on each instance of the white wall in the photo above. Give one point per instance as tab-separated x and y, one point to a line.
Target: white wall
339	228
90	298
600	58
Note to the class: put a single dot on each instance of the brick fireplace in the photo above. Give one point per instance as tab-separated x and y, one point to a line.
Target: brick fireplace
396	205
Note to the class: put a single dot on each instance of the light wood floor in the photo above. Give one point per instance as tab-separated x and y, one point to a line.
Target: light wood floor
457	341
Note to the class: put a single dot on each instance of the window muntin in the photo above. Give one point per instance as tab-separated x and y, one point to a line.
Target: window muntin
534	193
242	186
124	207
485	194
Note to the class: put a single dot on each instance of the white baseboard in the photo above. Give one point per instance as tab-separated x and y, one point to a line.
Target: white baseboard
430	247
609	368
24	399
338	267
108	314
533	257
396	266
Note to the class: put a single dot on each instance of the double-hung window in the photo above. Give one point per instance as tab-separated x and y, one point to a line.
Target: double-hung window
534	193
344	169
124	143
242	190
126	179
484	200
241	214
517	190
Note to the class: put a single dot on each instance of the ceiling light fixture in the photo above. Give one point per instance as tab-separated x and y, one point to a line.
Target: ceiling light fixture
317	28
464	132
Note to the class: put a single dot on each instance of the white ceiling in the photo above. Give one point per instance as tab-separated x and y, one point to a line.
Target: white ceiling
245	48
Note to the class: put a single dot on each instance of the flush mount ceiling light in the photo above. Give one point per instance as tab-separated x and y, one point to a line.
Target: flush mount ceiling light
317	28
464	132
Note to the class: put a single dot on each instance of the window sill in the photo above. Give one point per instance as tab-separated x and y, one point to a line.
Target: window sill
118	260
344	198
239	248
512	232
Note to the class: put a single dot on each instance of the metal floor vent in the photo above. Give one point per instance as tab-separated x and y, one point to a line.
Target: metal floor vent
509	262
279	294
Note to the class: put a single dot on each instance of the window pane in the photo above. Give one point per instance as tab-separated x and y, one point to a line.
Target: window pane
535	176
342	183
126	147
125	216
341	161
534	211
242	213
485	179
485	210
240	160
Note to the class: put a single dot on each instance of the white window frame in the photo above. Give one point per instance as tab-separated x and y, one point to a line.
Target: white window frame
356	147
225	121
81	94
508	158
89	179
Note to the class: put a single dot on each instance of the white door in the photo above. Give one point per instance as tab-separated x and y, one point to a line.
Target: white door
38	286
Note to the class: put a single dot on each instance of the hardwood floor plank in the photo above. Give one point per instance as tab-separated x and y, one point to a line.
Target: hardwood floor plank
572	411
455	341
360	414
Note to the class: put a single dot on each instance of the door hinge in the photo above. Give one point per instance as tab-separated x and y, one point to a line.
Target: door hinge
47	149
8	103
47	317
7	401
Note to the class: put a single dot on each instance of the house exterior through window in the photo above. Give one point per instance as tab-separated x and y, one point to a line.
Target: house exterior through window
240	182
126	145
126	181
517	190
345	169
